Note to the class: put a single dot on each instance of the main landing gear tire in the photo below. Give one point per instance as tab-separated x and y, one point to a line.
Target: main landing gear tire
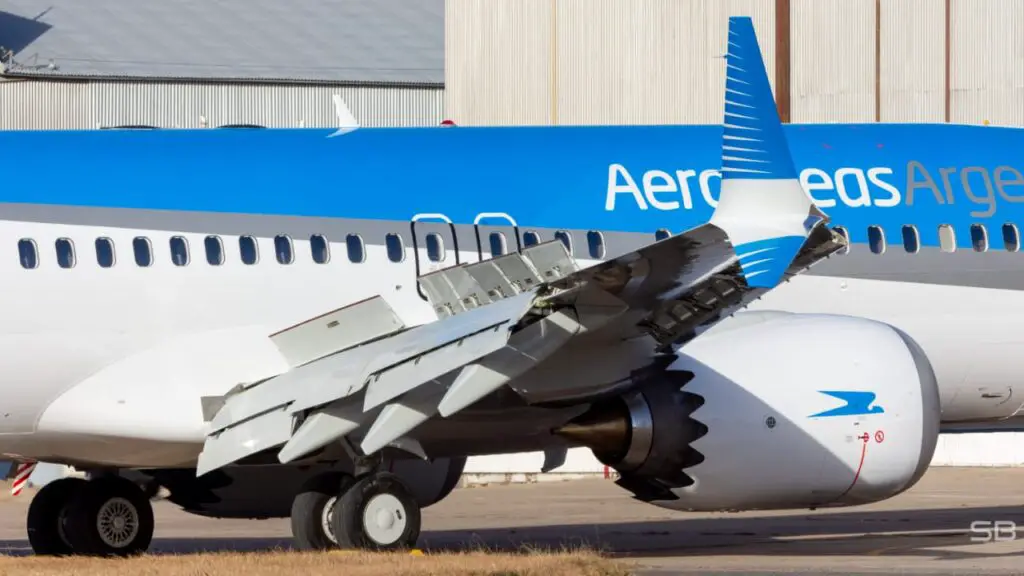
313	512
47	516
109	517
377	512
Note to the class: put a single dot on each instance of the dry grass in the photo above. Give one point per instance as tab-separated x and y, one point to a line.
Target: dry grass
574	563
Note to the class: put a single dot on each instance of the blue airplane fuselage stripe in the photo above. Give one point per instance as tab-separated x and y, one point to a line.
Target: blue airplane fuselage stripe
632	179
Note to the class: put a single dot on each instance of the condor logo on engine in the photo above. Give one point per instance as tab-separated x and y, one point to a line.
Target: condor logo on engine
856	403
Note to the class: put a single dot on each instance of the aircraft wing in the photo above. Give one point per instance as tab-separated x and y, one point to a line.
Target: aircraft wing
359	372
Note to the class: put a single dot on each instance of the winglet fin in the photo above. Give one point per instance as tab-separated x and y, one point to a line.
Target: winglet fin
762	207
346	121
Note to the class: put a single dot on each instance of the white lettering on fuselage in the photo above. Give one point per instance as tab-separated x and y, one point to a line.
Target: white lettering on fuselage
854	187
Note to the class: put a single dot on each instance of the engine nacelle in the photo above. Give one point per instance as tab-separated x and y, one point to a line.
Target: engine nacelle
791	411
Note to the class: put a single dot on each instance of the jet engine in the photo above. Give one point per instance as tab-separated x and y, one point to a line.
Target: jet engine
791	411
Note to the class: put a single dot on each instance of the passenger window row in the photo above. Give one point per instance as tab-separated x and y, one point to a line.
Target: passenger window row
284	250
911	238
213	250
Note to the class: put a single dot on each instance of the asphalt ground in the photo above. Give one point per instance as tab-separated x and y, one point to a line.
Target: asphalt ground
925	530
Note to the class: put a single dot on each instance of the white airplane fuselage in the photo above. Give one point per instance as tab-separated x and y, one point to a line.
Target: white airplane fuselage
105	367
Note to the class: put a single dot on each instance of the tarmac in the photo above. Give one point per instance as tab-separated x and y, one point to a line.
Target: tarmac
925	530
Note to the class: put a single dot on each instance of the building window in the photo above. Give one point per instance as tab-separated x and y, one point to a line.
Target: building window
143	250
531	239
283	249
214	250
876	239
249	250
395	247
65	252
320	249
911	239
179	251
566	239
435	247
1011	237
661	234
595	242
498	244
947	238
105	252
356	253
979	237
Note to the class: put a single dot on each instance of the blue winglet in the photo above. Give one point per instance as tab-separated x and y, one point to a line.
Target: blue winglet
762	207
754	146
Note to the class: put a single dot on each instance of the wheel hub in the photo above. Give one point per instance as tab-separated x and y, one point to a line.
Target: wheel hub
117	522
327	519
384	519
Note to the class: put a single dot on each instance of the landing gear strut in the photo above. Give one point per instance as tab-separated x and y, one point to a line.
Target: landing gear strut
108	516
376	511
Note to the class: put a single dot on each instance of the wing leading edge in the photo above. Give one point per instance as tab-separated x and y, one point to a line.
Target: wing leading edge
501	318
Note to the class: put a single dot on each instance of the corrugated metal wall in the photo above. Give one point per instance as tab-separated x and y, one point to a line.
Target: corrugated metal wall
656	61
591	61
987	62
41	104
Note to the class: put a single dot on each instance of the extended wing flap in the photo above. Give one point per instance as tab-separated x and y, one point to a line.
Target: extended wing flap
500	318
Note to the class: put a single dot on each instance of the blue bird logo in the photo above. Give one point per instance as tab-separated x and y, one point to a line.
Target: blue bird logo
855	404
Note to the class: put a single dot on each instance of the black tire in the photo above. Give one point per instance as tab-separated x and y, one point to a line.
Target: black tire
105	495
351	531
46	513
309	530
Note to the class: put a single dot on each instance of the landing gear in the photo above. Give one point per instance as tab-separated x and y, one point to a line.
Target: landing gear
108	516
312	512
377	512
373	512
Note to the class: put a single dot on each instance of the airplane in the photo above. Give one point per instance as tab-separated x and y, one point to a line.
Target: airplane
324	324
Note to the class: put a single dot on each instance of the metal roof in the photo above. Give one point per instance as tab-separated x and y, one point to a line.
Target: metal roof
358	41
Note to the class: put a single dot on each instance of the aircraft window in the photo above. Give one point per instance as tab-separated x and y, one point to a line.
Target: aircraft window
143	251
65	253
356	253
531	238
876	240
979	238
1011	237
947	238
105	252
435	247
846	236
320	248
498	245
595	241
249	250
661	234
566	239
214	250
28	254
179	251
396	250
911	239
283	249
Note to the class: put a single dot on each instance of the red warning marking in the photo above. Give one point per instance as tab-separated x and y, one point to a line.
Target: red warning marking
864	437
879	436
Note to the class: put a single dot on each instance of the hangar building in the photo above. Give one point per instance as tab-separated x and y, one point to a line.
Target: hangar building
67	64
659	61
